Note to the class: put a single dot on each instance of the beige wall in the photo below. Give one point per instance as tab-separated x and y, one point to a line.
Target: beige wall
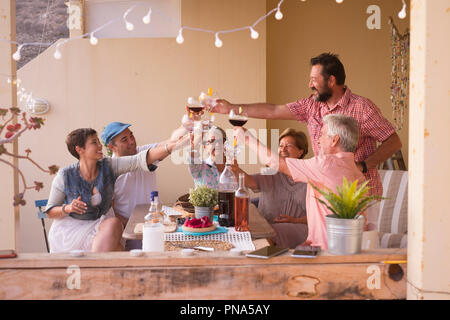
145	82
312	27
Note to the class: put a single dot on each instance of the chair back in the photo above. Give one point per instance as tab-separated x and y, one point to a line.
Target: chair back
40	204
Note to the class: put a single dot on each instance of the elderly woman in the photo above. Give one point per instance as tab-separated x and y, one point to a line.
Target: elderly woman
207	172
282	201
81	195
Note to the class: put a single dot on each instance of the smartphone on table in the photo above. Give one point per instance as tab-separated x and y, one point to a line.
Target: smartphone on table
4	254
305	251
267	252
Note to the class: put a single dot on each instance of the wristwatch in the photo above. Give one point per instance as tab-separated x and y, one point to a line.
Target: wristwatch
364	165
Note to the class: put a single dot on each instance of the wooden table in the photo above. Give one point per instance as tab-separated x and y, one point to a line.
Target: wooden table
259	227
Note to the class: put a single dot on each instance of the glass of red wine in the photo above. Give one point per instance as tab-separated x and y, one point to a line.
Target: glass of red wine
195	107
237	119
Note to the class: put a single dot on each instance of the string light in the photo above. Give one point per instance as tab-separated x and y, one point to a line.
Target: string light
93	40
180	38
16	56
128	25
253	33
146	18
218	43
402	13
57	55
278	15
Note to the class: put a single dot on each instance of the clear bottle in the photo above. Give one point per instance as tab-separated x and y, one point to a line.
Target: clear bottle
155	197
227	187
241	201
151	212
153	231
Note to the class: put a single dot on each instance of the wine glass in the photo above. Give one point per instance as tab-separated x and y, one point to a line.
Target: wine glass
238	119
187	121
195	107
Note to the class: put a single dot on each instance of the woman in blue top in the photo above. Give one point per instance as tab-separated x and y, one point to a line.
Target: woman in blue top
81	195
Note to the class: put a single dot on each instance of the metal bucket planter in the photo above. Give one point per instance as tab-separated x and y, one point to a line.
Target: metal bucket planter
203	211
344	235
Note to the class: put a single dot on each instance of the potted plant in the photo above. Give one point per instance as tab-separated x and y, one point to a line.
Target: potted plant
345	225
203	199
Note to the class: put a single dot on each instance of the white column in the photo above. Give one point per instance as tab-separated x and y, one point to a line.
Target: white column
9	216
429	152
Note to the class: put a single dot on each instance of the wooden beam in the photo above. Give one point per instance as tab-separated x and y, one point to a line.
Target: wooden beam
9	215
76	20
170	276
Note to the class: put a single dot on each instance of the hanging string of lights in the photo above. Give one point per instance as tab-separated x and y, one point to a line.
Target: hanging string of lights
179	39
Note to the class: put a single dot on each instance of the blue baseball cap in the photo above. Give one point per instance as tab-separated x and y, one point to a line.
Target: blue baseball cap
112	130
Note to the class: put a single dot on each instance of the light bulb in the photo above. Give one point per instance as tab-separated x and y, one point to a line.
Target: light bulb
218	43
339	1
278	15
16	56
402	13
93	40
9	80
57	55
129	26
146	19
180	38
253	33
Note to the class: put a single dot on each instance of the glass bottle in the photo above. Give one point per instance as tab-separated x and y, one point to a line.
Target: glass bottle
241	200
227	187
153	231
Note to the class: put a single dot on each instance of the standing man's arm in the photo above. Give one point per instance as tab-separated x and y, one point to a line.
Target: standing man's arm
384	151
255	110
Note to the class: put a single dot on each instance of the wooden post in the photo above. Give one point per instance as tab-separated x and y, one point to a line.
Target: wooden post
429	152
75	22
9	215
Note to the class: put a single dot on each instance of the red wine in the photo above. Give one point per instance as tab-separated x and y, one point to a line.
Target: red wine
237	122
241	214
196	109
226	209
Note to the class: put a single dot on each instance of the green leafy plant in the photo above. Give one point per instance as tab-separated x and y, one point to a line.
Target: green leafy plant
203	196
349	201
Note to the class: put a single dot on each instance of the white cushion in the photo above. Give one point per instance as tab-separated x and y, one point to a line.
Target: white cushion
393	211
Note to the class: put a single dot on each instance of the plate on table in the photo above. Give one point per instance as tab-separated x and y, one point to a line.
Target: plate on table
203	232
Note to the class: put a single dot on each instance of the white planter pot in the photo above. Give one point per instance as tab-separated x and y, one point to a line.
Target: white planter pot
344	235
203	211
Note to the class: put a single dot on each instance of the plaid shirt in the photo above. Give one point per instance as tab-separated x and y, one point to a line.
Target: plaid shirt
372	125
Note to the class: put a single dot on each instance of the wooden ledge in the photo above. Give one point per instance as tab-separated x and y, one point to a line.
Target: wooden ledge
206	276
173	259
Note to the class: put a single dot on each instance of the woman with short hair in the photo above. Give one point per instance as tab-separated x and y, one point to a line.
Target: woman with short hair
81	195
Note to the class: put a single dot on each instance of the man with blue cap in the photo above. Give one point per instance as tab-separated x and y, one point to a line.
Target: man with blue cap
133	188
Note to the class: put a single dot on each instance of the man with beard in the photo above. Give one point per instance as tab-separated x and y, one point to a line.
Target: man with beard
330	96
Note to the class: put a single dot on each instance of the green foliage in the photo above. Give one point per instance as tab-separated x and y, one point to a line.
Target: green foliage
349	201
203	196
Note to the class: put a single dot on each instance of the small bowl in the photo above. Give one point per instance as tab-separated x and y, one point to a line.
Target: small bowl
77	253
235	252
187	252
136	252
